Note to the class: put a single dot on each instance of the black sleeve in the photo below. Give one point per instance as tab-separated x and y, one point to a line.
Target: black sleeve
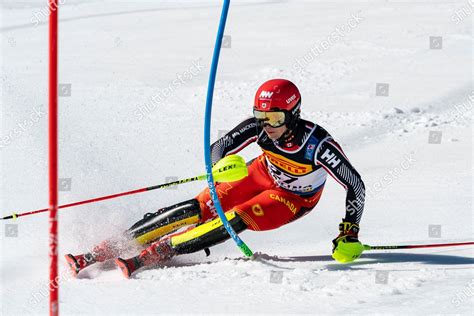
234	141
332	158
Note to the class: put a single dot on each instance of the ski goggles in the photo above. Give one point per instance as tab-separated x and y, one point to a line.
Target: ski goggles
273	119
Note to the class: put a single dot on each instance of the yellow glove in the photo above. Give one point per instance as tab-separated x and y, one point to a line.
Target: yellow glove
346	246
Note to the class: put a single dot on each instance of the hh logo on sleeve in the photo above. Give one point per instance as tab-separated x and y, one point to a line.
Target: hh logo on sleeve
330	158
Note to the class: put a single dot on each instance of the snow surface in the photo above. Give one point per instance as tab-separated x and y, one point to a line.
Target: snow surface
118	55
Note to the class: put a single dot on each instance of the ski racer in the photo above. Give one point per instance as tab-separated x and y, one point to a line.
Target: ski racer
284	183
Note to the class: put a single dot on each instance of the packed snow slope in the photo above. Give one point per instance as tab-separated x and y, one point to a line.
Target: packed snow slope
391	80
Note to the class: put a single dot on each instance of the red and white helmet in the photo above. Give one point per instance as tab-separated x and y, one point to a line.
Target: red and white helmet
279	95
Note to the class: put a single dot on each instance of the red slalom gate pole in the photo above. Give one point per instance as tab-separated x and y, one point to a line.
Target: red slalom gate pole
53	158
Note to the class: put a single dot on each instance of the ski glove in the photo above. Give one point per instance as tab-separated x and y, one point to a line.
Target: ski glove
347	247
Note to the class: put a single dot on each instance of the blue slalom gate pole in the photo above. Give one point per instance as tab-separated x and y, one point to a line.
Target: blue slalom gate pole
207	133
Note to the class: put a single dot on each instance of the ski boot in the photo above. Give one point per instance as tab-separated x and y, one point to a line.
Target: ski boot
79	262
158	251
100	253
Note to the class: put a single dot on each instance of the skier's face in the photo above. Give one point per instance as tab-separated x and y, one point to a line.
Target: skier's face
274	132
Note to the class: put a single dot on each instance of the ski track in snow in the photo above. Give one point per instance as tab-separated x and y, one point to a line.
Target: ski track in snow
180	6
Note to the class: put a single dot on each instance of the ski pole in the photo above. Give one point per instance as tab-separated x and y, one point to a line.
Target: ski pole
230	168
368	247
